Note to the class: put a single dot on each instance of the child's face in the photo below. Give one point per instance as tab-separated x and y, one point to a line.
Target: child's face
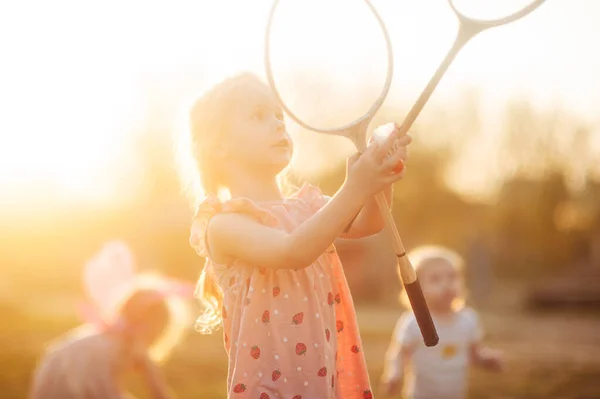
257	133
149	332
147	317
441	283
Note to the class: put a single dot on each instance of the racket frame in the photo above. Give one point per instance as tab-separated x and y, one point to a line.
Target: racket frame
356	131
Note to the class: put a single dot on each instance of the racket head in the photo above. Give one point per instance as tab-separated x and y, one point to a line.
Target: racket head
356	130
470	11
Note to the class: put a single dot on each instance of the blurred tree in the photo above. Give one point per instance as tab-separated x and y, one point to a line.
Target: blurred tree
545	149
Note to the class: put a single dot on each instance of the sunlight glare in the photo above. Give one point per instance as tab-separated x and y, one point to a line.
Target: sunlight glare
74	75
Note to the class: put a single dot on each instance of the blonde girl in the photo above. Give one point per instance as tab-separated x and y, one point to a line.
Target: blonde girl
272	276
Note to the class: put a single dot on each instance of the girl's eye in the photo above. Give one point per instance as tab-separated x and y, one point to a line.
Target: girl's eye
261	114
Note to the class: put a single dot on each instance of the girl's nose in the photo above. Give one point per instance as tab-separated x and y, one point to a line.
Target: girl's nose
280	125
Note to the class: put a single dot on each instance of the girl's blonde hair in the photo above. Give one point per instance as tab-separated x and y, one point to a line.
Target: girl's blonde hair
423	256
200	171
203	128
210	298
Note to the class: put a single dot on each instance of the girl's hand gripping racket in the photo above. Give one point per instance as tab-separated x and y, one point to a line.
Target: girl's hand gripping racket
356	131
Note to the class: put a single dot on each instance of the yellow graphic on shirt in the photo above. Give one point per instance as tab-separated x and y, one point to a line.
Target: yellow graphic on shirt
449	351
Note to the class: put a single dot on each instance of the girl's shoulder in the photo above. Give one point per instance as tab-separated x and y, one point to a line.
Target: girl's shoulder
308	197
212	206
311	195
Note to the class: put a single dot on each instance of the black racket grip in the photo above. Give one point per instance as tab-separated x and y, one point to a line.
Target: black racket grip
421	311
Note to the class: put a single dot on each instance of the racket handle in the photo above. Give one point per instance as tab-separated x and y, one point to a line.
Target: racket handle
409	277
421	311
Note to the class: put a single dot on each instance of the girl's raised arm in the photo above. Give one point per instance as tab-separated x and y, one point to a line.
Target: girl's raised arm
233	236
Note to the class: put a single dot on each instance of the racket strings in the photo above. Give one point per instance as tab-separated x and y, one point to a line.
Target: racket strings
331	75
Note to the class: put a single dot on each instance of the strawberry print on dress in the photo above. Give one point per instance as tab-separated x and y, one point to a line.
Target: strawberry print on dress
298	318
283	328
276	375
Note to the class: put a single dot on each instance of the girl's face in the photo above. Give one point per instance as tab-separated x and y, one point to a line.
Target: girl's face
256	131
441	284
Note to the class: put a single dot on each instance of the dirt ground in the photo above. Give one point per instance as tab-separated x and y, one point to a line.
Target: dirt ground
548	356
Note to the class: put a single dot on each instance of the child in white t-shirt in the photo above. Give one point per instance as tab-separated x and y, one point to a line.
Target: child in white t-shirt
441	371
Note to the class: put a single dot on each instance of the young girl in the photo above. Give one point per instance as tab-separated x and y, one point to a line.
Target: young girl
142	328
272	276
438	372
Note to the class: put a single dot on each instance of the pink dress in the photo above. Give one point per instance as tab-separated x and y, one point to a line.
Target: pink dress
289	334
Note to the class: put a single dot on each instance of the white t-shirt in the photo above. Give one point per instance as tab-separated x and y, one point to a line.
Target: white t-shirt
438	372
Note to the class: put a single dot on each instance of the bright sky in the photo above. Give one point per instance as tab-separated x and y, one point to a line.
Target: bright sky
73	73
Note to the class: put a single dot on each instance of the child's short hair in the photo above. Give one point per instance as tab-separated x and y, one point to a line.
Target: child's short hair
422	256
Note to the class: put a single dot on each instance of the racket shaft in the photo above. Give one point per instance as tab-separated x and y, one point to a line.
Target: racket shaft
464	35
409	277
406	270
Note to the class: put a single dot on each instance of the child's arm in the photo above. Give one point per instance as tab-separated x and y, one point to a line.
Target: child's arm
233	236
398	356
153	377
480	355
396	361
485	357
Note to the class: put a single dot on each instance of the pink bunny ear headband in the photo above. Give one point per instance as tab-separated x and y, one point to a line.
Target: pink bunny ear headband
109	277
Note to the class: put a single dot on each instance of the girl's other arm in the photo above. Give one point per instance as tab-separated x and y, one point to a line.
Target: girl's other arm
368	221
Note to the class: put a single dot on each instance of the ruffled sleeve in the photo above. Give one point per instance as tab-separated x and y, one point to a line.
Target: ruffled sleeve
212	206
312	196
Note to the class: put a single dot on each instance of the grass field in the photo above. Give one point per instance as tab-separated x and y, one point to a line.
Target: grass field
548	355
